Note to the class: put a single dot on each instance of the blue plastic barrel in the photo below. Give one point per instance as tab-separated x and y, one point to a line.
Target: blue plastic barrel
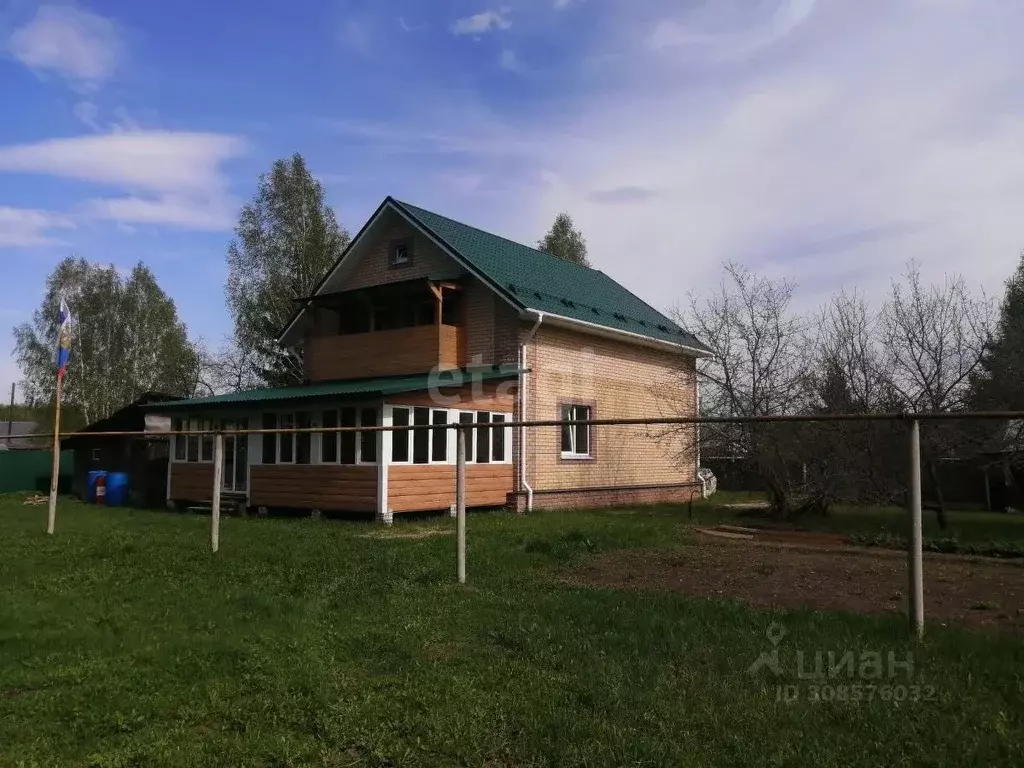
90	495
117	489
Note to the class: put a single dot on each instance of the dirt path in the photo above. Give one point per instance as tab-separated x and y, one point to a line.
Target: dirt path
975	592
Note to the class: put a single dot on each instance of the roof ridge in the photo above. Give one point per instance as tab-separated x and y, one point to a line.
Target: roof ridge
500	237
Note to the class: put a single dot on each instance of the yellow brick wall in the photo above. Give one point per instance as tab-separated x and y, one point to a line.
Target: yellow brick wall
621	380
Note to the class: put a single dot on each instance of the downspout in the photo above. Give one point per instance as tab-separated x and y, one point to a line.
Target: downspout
522	411
703	482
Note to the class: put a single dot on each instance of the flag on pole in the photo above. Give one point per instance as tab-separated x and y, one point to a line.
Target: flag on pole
63	340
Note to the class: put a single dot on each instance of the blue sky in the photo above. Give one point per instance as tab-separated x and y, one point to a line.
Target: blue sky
828	141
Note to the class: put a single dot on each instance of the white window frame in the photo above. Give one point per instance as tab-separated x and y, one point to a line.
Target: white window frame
397	435
316	447
360	461
451	443
573	454
278	435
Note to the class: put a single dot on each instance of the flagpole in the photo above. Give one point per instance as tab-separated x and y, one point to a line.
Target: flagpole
51	518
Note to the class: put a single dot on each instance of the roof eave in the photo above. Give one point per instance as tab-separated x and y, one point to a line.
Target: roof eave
614	333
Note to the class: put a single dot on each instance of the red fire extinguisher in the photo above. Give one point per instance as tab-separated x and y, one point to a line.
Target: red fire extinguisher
101	489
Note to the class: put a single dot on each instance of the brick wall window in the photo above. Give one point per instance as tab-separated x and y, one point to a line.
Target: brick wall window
577	442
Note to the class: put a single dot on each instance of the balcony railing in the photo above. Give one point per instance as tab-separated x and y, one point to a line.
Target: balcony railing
384	353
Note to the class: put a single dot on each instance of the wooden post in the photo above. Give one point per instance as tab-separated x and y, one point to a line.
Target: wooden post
10	418
915	554
460	502
218	479
51	517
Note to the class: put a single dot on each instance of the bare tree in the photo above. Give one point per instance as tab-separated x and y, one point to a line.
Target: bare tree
762	366
849	378
932	341
228	368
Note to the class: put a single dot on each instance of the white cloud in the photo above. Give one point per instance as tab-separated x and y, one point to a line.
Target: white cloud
189	213
87	113
26	227
81	46
151	160
745	39
485	21
179	174
849	139
510	61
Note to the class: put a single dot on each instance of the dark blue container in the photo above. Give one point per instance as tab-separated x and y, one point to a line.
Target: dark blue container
91	492
117	489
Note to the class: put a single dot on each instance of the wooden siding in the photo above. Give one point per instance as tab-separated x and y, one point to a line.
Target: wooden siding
497	396
314	486
425	486
191	482
384	353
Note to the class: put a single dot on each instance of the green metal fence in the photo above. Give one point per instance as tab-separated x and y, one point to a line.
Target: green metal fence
30	470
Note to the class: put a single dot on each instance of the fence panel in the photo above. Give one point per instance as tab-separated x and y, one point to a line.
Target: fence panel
30	471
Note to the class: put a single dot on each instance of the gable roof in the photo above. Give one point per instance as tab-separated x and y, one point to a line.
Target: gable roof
539	281
533	280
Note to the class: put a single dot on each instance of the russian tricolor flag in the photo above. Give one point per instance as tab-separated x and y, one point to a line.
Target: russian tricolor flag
63	340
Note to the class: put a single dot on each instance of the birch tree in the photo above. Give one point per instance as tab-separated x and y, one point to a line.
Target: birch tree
126	340
286	239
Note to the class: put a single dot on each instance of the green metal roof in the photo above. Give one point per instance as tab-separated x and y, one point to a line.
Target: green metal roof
536	280
341	389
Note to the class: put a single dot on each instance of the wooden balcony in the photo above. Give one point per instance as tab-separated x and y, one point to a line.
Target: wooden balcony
385	353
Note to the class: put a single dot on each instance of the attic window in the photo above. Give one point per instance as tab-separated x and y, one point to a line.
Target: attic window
620	316
595	310
512	287
400	253
662	327
568	303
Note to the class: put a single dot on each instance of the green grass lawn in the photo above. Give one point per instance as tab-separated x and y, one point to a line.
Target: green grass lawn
123	641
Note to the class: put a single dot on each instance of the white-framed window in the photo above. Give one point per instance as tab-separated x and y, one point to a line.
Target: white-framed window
349	447
195	448
500	438
180	443
96	454
435	443
577	440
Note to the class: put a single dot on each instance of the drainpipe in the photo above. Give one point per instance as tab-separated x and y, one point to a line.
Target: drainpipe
696	431
522	411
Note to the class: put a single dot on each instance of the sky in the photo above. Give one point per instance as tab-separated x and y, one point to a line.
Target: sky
825	141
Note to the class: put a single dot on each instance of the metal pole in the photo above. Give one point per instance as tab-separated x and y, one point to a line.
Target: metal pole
51	517
218	478
460	501
915	554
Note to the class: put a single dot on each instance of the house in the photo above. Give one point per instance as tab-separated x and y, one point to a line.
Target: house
16	435
143	459
428	321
